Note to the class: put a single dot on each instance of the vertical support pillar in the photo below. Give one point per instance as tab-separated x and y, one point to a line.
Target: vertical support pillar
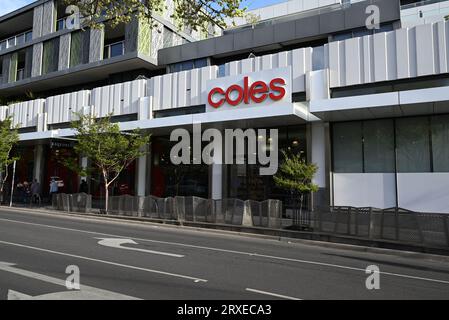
49	18
38	170
318	156
141	174
96	46
217	182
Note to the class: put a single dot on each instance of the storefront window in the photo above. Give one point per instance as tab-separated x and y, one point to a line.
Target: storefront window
168	180
245	182
440	143
413	145
378	146
347	147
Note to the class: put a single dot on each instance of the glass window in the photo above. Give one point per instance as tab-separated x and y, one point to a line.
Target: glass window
29	36
200	63
20	39
378	146
347	147
413	145
3	45
11	42
50	56
440	143
116	49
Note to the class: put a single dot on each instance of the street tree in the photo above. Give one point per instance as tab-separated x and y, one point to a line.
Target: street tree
9	137
196	15
296	175
108	149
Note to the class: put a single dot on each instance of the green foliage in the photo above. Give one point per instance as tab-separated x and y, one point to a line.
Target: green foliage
196	14
296	175
9	137
108	149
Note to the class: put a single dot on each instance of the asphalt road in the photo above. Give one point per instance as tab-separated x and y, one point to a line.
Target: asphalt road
120	260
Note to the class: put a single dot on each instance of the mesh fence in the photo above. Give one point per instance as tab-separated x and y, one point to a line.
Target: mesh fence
79	202
194	209
388	224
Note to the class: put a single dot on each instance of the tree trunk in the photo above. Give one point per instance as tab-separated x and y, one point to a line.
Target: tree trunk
106	193
301	200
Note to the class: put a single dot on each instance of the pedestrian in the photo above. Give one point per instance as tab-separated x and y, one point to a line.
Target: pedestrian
83	186
36	192
26	192
53	188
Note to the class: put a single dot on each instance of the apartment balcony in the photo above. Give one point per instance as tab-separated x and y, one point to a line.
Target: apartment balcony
16	40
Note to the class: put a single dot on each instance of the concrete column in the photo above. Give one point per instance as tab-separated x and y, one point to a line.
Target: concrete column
217	182
37	21
318	156
64	51
141	174
96	45
38	170
36	67
49	18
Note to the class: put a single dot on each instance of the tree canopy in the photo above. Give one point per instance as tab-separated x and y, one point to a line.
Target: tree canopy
107	148
197	15
9	137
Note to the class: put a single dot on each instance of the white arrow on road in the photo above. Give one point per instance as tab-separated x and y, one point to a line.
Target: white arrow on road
85	292
118	243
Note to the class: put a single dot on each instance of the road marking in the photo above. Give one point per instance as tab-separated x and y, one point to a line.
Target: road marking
118	244
272	294
85	292
231	251
105	262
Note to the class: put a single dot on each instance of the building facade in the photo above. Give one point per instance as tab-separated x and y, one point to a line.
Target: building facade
369	106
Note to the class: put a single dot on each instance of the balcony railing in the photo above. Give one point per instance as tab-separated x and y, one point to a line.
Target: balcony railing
420	4
16	40
114	50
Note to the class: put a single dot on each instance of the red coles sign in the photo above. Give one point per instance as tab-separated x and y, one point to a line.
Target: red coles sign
257	92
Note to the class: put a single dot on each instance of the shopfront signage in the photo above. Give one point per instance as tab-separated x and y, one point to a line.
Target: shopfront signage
264	88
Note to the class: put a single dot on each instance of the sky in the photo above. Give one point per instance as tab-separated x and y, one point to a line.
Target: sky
7	6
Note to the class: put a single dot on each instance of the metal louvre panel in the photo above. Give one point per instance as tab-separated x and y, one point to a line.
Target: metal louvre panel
60	108
299	59
25	113
3	112
118	99
403	53
181	89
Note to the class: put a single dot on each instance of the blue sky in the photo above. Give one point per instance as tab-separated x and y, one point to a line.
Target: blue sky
11	5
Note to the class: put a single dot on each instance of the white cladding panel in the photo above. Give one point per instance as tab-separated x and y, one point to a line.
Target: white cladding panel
181	89
3	112
61	108
118	99
299	59
410	52
424	192
25	113
365	190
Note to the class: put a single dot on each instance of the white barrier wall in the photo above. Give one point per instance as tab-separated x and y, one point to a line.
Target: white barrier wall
3	112
399	54
25	114
61	108
181	89
424	192
299	59
118	99
364	190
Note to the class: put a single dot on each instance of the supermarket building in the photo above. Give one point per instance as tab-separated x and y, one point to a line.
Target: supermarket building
369	107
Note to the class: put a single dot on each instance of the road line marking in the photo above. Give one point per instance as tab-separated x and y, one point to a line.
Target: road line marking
85	292
118	243
104	261
272	294
231	251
